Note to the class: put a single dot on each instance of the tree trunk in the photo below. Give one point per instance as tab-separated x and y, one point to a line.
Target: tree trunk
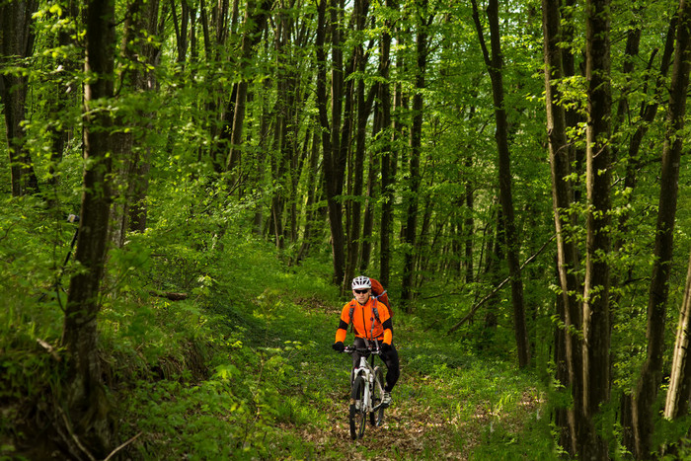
86	398
387	177
494	65
360	12
255	22
410	228
180	27
131	169
17	39
313	185
651	374
66	95
333	166
596	309
469	224
567	253
677	403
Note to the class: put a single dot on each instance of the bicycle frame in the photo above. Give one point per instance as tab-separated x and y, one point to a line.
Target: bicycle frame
366	370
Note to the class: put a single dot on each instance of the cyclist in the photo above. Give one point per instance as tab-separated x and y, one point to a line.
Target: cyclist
369	326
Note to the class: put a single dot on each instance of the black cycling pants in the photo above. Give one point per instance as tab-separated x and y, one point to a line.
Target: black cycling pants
390	358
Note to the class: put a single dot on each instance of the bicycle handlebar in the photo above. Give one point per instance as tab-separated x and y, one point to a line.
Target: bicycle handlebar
362	350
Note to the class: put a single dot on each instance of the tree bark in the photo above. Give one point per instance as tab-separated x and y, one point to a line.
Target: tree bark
387	176
131	169
596	309
677	402
495	64
360	11
333	165
86	398
410	227
651	374
255	22
17	42
560	153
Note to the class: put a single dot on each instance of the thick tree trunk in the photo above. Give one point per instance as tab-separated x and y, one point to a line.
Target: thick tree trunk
651	374
17	40
596	309
495	64
86	398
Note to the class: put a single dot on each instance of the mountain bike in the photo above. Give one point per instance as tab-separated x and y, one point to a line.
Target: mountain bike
366	392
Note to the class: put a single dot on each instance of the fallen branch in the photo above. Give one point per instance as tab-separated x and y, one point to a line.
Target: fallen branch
112	453
50	349
168	295
68	426
498	287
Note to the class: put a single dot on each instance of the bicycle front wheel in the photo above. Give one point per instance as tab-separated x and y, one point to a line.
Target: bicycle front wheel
357	408
376	416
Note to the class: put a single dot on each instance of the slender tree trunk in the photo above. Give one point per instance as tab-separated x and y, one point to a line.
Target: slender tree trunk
494	65
66	95
180	27
410	228
677	403
567	253
313	185
131	170
86	398
17	39
386	224
255	22
360	11
333	166
648	111
651	374
469	224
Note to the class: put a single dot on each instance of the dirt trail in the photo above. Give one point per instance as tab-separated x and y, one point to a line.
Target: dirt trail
411	431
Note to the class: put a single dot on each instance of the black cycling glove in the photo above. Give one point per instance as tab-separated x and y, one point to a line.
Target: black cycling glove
338	346
385	348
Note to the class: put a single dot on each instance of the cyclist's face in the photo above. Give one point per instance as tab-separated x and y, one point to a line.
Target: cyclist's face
361	295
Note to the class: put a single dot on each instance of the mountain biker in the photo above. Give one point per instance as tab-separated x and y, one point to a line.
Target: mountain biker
368	327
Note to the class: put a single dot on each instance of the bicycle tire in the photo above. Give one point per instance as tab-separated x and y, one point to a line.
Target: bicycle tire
376	417
358	415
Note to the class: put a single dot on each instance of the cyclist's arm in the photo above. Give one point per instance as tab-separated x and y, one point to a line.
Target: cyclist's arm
343	325
388	331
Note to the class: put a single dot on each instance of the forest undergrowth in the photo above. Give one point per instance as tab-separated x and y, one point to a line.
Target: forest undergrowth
242	368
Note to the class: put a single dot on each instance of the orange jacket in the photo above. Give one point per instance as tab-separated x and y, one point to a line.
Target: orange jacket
363	317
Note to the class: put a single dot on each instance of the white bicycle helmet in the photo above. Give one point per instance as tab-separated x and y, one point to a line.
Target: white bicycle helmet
361	282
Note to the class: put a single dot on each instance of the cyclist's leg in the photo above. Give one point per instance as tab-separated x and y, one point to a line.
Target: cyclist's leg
392	368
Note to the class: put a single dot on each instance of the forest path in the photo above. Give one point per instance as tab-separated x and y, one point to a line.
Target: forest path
411	430
429	418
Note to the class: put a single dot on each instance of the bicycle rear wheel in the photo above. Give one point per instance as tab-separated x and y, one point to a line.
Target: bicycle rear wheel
357	408
376	417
